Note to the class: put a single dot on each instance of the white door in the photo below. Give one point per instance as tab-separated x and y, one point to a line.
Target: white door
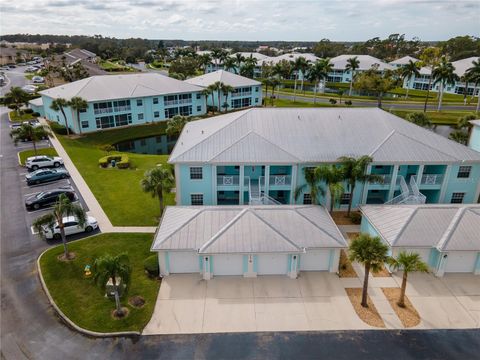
227	264
315	260
461	261
183	262
272	264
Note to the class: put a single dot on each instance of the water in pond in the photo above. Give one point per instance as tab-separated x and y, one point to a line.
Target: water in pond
155	145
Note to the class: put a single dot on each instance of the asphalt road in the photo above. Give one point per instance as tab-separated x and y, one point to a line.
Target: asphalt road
13	77
31	330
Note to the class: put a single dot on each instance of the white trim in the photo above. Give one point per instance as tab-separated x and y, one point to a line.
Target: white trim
443	189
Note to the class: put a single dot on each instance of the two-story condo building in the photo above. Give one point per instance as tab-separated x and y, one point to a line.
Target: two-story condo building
474	141
122	100
260	155
341	74
403	61
246	93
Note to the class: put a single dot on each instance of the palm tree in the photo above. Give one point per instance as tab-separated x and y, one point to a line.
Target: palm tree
355	171
460	136
300	64
111	267
216	55
16	97
333	177
474	76
430	58
465	78
27	131
229	64
158	182
409	70
444	74
407	262
211	89
175	125
352	65
225	90
312	184
206	92
372	253
274	82
464	123
239	59
315	74
78	104
60	104
63	208
204	60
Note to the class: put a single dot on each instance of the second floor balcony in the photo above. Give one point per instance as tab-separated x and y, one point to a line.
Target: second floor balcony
431	179
228	180
240	94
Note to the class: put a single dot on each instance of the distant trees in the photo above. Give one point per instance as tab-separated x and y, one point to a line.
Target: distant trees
375	82
408	71
444	74
184	67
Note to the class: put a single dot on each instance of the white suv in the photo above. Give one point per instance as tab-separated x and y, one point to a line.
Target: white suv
71	227
37	162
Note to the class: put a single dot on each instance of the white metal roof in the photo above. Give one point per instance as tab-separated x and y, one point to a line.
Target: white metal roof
449	227
312	135
289	57
124	86
247	229
366	62
460	66
36	102
223	76
255	55
403	60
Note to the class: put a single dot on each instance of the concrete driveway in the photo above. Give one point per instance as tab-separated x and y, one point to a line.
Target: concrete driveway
314	301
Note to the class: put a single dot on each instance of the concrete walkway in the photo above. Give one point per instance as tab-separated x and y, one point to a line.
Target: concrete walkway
94	207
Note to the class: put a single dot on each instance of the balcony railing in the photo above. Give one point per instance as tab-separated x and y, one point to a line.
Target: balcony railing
122	108
279	180
431	179
227	180
386	179
184	101
239	94
170	102
103	111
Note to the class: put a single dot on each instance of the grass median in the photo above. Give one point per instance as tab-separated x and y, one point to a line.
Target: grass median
81	300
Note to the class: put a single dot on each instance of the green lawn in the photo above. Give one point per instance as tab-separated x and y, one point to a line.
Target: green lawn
27	153
291	103
444	117
15	117
118	191
81	300
114	66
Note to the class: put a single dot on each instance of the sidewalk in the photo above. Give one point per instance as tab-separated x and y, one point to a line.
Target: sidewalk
94	207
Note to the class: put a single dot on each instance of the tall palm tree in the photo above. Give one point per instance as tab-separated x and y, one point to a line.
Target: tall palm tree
300	64
355	171
444	74
176	124
464	123
315	74
225	90
371	253
78	104
274	82
352	65
407	71
211	89
430	58
204	60
239	59
217	87
158	182
333	177
465	78
216	55
407	262
312	184
16	97
60	104
206	93
229	64
111	267
63	208
27	131
474	76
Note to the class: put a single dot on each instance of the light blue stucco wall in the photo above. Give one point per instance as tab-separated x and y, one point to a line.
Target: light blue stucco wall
366	227
468	186
474	141
38	109
255	98
203	186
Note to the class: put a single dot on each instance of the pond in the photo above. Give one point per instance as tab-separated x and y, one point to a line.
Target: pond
155	145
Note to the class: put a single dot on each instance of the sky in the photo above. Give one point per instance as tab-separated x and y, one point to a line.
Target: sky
254	20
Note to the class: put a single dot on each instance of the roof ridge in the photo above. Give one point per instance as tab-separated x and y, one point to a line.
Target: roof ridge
318	227
402	230
89	79
447	235
381	143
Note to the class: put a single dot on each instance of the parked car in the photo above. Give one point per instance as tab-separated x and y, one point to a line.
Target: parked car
48	198
38	80
15	125
71	227
45	175
42	161
31	68
12	66
30	89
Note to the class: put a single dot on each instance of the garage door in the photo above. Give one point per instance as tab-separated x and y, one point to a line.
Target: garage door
460	261
424	253
272	264
183	262
228	264
315	260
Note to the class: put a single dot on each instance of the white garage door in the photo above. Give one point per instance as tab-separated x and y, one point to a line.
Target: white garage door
424	253
460	261
228	264
183	262
272	264
315	260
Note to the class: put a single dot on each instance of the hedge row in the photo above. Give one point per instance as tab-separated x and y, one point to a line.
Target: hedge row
122	161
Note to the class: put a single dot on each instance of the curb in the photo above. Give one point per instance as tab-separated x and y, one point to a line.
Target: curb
19	161
69	322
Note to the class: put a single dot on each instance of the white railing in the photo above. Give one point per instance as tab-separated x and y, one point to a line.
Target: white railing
416	191
228	180
184	101
408	195
386	180
240	94
431	179
170	102
279	180
403	185
122	108
102	111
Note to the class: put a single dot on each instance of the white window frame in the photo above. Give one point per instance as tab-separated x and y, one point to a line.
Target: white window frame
464	169
196	194
456	196
192	173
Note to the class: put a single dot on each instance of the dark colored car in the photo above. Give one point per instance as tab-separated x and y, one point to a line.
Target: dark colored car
45	175
48	198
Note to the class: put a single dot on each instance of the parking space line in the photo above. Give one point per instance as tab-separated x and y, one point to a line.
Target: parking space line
33	231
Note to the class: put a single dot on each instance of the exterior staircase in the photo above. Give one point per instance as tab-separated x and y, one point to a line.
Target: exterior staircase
409	195
257	196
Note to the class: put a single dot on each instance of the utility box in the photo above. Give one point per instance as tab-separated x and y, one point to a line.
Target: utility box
109	289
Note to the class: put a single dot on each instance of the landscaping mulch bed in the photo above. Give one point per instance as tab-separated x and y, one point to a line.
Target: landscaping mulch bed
382	273
407	315
368	315
346	269
136	301
341	218
352	235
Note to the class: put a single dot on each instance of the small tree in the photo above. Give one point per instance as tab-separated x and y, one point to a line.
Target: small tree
27	131
460	136
175	125
59	105
15	98
407	262
375	82
108	149
158	182
110	267
333	177
420	119
312	183
63	208
78	104
372	253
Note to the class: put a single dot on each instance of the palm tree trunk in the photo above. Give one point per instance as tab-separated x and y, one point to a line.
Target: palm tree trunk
379	100
351	85
365	286
332	201
78	123
118	305
440	98
34	143
478	102
65	118
160	200
266	94
465	93
352	188
64	241
295	88
315	93
428	93
219	101
401	301
303	89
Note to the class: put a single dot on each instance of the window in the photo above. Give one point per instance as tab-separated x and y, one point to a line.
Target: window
139	102
84	124
102	108
105	122
140	116
186	110
457	198
345	199
243	102
155	100
121	105
256	88
196	199
83	110
123	119
307	199
464	172
199	96
199	108
156	114
196	173
256	101
171	112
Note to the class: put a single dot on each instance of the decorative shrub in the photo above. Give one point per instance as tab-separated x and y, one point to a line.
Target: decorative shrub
58	128
36	114
348	102
356	218
333	101
151	265
122	161
28	111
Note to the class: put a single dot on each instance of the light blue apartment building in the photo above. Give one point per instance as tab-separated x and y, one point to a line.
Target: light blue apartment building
474	141
123	100
246	93
260	155
341	74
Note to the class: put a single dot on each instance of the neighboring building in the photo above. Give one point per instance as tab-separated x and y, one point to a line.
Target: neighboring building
247	92
84	57
9	55
461	66
127	99
447	237
260	155
340	74
81	54
403	61
247	240
474	141
37	106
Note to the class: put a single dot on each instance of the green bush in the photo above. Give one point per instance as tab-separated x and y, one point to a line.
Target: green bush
348	102
151	265
356	218
332	101
28	111
122	161
36	114
58	128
